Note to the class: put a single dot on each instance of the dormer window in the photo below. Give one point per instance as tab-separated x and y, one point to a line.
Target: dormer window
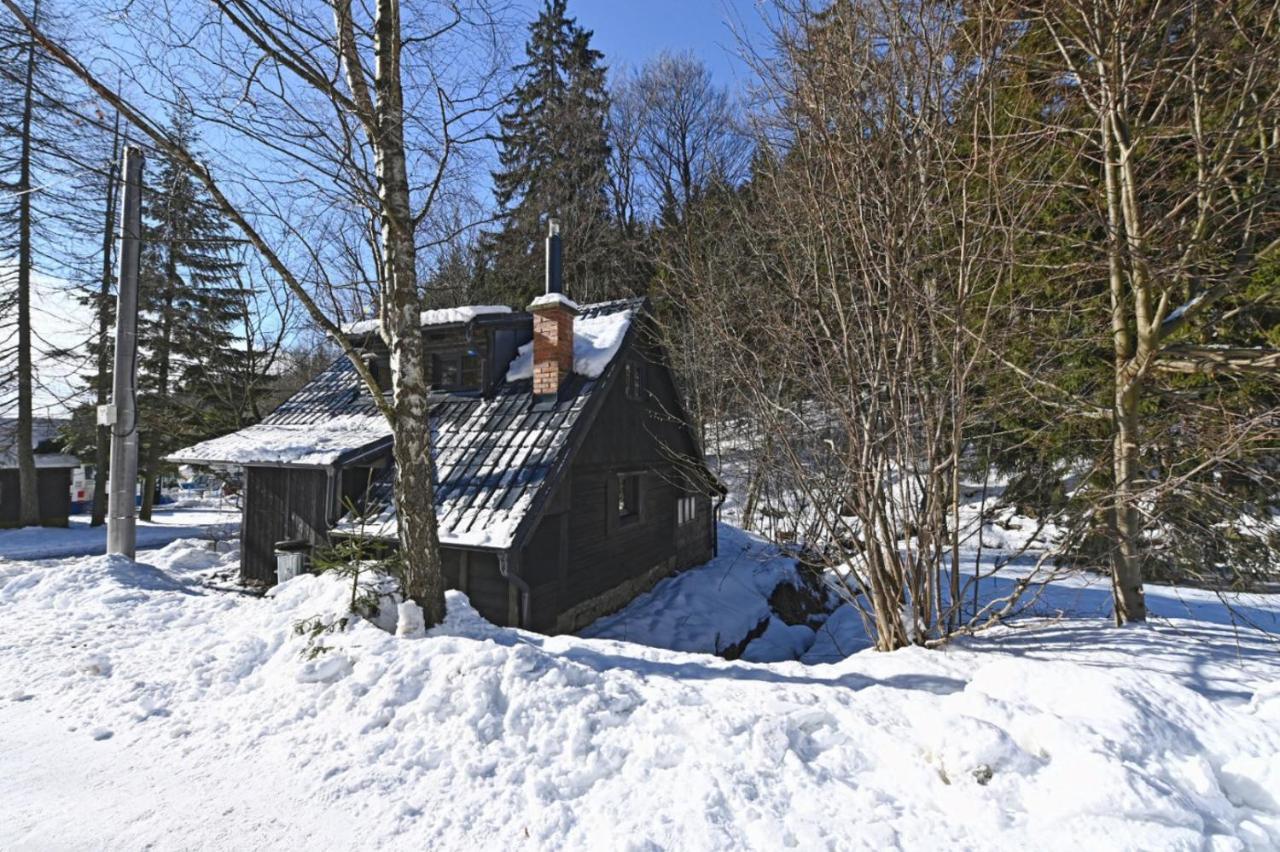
455	371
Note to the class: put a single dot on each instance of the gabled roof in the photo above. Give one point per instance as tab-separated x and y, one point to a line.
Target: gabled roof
493	454
493	457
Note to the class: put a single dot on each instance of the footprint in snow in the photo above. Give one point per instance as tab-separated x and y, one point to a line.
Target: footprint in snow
100	734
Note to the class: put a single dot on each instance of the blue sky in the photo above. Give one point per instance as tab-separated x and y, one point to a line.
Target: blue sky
630	31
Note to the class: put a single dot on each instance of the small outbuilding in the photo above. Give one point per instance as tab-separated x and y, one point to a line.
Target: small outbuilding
53	474
569	478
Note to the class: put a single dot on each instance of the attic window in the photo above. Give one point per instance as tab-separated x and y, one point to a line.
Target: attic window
455	371
633	376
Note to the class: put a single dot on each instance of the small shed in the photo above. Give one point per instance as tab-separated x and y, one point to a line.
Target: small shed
53	474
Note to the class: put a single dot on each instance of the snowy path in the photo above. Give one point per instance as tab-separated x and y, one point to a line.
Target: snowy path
168	524
140	709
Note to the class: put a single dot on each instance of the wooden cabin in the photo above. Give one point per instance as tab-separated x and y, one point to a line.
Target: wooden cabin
53	474
569	479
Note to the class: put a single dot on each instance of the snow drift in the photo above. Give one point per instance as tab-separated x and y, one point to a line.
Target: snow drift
139	706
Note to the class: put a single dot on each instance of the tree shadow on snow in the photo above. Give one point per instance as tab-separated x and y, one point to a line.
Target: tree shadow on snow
716	669
1208	659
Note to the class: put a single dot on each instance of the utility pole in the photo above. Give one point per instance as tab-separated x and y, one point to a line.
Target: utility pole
122	414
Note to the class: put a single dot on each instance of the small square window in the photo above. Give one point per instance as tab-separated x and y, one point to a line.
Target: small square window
447	371
455	371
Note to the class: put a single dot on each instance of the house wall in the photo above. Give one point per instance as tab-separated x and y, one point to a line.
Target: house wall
54	486
280	504
478	575
583	563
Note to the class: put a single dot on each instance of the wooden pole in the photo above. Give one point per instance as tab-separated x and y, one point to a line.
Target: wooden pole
122	414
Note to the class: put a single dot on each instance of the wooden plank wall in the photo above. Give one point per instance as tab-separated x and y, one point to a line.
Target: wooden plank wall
54	487
600	553
280	504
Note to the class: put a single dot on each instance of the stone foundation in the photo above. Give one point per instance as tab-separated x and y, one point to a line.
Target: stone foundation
580	616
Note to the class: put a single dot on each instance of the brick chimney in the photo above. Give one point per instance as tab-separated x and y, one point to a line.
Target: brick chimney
553	315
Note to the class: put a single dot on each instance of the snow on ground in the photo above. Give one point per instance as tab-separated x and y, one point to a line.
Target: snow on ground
210	519
140	707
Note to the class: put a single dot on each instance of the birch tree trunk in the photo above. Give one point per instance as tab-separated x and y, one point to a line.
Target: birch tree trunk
1185	106
415	475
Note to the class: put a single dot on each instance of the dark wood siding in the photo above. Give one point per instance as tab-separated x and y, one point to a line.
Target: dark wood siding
280	504
54	487
488	590
545	568
629	435
476	574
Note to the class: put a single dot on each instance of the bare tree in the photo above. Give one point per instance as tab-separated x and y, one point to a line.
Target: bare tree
351	118
878	238
28	492
681	129
1185	108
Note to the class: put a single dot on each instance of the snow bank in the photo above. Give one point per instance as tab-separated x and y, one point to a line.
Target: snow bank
436	316
295	443
708	608
595	341
139	705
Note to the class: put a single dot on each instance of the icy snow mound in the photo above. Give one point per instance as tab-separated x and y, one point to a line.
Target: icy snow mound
103	581
713	607
707	608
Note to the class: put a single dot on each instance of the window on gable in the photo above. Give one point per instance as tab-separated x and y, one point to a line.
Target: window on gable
686	510
628	497
633	377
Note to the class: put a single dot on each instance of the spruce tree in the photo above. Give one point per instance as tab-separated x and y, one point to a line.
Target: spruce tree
554	162
189	303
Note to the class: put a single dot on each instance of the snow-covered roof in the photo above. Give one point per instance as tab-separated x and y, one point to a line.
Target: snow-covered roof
302	444
492	458
42	429
596	339
436	316
493	453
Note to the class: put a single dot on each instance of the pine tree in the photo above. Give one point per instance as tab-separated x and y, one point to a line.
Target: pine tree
189	304
554	162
